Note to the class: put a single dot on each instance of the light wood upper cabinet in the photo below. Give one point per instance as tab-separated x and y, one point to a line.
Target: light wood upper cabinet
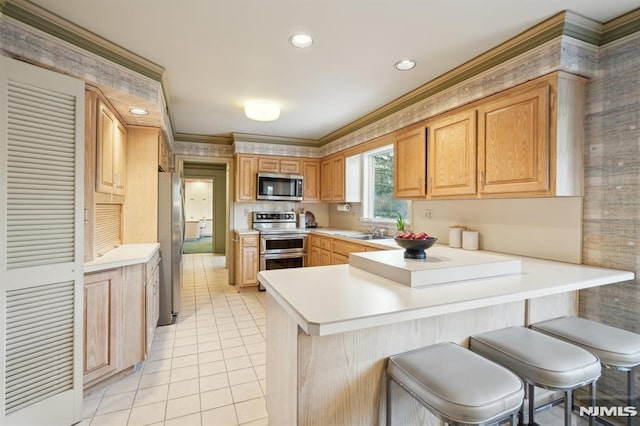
410	151
278	165
513	141
268	165
452	155
332	179
110	152
140	212
290	166
311	174
246	170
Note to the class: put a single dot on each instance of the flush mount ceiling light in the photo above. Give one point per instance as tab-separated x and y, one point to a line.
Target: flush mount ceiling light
262	111
405	65
301	40
138	111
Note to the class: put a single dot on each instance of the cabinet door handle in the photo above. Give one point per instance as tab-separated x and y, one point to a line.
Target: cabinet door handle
481	178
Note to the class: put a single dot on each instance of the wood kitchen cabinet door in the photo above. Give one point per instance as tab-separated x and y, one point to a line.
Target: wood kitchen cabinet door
311	174
513	142
332	179
452	155
246	260
133	345
110	152
246	170
290	166
268	165
410	152
337	178
102	316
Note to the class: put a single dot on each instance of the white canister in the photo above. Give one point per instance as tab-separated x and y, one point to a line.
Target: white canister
470	240
455	236
301	220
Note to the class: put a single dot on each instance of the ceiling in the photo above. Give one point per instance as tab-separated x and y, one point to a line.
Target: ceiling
219	54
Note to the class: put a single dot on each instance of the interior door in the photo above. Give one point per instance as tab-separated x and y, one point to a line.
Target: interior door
41	245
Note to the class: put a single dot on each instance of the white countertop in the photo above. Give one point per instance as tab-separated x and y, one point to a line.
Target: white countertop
124	255
327	300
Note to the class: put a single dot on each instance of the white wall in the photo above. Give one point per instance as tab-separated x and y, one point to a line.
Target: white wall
548	228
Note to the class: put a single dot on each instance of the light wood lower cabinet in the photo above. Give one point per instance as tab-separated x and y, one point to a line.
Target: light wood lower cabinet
152	299
247	256
102	315
325	250
121	308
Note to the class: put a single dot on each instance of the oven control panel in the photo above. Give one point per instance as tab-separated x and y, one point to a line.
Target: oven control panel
270	217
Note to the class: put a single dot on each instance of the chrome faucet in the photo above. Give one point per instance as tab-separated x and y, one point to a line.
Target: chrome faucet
372	226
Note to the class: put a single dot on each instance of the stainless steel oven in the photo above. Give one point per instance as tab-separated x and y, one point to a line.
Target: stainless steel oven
281	261
277	243
282	244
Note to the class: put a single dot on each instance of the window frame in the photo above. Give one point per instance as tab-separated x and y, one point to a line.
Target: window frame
367	189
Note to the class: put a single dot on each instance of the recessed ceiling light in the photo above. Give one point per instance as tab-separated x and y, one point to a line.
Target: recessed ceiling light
138	111
405	65
301	40
262	111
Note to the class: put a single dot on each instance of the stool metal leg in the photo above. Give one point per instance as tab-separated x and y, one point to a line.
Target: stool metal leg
631	396
532	406
514	419
388	400
521	414
592	402
567	408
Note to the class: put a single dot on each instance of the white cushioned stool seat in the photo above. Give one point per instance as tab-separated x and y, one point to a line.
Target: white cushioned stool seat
541	360
456	384
615	347
538	358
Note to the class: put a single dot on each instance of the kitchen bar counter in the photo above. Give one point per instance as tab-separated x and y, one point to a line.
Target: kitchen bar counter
332	328
334	299
123	255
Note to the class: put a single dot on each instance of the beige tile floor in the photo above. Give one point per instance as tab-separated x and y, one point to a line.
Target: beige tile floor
207	369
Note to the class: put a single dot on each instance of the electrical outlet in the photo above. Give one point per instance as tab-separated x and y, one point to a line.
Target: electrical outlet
246	212
427	213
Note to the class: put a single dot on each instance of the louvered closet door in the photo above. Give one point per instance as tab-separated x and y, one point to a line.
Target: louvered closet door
41	245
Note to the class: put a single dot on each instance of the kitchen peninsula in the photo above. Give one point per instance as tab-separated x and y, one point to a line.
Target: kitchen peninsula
331	329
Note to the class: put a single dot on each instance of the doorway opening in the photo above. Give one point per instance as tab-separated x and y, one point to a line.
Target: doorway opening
199	200
206	205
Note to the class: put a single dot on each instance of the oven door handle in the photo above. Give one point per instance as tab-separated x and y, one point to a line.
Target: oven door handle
284	255
285	237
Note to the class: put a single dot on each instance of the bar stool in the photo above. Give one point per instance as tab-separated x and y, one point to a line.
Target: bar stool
456	385
617	349
542	361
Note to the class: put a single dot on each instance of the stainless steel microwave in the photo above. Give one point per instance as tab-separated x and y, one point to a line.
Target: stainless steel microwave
279	187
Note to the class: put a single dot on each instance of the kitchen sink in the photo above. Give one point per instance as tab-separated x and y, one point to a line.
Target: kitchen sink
366	236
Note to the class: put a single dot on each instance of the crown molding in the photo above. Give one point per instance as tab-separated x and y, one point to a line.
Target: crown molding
50	23
620	27
562	24
278	140
191	137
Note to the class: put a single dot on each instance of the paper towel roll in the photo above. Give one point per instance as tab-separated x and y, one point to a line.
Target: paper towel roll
343	207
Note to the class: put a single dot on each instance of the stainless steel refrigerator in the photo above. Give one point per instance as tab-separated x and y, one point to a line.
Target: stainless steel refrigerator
170	237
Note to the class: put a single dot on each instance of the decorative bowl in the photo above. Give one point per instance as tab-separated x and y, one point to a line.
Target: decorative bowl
414	249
